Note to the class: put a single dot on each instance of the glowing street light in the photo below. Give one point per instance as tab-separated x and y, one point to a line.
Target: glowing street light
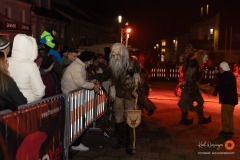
211	31
124	31
125	34
120	19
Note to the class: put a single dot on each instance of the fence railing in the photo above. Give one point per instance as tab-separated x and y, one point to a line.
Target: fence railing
45	129
173	73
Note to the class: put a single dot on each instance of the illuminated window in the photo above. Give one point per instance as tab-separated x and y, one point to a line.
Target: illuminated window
207	8
162	58
163	50
201	11
163	43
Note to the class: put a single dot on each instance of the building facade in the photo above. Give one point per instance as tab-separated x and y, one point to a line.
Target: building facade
15	17
217	30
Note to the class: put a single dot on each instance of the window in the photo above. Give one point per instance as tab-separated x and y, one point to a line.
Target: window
163	43
201	11
22	16
207	8
45	4
7	12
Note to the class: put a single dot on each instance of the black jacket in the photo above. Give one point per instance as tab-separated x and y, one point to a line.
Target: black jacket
228	88
12	98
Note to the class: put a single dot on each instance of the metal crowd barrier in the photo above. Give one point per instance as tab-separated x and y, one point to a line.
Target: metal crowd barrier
35	131
172	73
164	73
46	129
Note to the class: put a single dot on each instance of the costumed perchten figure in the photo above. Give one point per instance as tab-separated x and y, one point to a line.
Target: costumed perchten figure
124	74
143	91
190	89
188	53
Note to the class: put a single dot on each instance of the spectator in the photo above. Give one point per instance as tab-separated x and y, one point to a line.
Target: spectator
68	58
57	67
75	78
47	75
107	52
48	39
4	45
228	98
24	70
10	95
96	69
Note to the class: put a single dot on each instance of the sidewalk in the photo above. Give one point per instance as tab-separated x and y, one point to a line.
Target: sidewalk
161	137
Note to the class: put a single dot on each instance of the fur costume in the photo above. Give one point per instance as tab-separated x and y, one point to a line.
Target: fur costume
124	73
190	89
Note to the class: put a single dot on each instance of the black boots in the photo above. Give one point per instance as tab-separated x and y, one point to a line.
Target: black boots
120	134
184	119
201	119
130	138
124	138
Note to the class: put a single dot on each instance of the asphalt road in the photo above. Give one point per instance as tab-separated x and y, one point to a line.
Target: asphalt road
161	137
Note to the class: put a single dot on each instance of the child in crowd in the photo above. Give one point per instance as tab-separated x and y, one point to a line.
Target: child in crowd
47	38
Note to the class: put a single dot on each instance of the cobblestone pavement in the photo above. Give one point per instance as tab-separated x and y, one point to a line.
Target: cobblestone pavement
161	137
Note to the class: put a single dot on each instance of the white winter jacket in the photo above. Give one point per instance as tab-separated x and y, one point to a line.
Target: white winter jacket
75	77
24	70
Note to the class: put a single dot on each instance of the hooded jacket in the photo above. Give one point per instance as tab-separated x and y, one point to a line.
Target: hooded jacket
24	70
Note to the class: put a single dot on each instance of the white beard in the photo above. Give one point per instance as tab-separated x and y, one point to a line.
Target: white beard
116	67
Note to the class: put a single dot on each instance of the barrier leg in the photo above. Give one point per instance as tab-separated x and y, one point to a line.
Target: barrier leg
94	128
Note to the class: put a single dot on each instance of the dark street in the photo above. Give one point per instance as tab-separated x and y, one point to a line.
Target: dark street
161	137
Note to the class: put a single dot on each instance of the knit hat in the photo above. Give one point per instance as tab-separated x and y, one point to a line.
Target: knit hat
224	66
4	42
86	56
47	61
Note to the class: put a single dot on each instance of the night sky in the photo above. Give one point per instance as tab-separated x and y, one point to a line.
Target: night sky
150	20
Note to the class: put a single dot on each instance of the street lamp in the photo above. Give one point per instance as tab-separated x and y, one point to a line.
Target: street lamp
120	26
175	48
125	33
119	19
211	31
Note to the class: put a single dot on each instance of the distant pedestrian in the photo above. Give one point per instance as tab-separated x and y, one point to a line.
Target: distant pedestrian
228	98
